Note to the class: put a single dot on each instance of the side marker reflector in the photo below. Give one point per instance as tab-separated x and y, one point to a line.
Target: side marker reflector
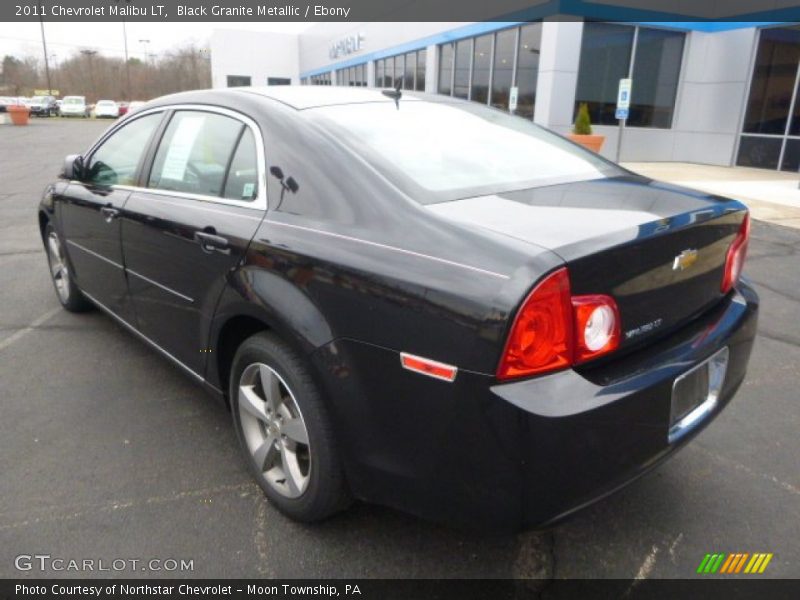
428	367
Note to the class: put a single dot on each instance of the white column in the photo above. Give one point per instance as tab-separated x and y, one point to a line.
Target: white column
558	74
431	69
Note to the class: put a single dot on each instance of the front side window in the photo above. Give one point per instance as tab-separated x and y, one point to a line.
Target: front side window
116	160
194	153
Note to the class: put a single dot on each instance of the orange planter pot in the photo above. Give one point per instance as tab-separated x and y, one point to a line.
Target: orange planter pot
592	142
19	114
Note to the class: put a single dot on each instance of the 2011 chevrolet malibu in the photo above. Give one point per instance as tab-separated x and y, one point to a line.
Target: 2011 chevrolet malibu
409	299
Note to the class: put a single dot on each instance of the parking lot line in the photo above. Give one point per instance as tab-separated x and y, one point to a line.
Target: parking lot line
26	330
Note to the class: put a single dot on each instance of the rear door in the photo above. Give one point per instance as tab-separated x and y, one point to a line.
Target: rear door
90	211
188	224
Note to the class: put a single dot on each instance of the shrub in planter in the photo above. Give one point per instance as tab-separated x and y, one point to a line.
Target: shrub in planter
582	130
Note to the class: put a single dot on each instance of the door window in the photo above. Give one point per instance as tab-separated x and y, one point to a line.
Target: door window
116	160
242	180
194	154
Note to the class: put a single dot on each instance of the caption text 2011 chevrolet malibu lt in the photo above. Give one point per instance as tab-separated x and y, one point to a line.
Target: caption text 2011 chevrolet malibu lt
409	299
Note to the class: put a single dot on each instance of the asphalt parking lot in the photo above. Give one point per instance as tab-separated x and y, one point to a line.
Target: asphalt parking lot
107	451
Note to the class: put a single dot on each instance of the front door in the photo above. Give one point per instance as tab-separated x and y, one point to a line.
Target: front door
90	210
186	232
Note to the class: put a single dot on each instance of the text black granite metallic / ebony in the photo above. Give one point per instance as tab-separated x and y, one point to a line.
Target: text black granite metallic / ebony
410	299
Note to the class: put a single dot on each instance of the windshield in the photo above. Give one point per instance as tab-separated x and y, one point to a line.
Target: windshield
73	100
445	151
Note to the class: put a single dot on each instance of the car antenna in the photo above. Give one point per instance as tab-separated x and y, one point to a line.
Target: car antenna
396	93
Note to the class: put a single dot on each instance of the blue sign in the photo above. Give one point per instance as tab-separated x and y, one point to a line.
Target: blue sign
622	113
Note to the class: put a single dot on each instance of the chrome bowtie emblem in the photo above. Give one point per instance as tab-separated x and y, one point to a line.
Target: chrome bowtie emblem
684	260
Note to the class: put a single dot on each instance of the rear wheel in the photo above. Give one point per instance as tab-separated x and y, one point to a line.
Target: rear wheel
67	291
284	430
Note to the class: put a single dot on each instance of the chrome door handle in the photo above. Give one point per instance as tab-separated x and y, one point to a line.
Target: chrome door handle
210	242
109	213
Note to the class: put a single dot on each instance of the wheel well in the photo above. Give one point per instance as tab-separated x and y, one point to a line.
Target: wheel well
233	333
43	221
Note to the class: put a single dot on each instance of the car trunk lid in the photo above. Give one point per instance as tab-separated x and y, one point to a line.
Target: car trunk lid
658	249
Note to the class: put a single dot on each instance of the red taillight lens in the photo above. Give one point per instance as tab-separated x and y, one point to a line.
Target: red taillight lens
541	336
596	326
734	260
555	330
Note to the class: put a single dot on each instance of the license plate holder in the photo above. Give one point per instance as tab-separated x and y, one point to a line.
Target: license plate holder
695	394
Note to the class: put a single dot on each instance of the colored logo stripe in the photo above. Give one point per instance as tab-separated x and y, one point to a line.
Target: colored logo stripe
735	562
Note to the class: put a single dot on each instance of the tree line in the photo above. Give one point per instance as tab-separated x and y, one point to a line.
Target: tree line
89	73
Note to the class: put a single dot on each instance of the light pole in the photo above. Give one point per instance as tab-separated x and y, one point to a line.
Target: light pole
146	45
127	62
44	47
89	54
53	58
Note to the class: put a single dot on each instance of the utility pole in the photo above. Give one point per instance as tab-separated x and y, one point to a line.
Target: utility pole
146	44
90	54
46	64
127	62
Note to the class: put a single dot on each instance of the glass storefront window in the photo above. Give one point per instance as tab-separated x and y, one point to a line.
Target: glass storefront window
408	73
463	59
503	71
773	81
481	68
485	68
422	56
530	44
605	59
656	68
445	69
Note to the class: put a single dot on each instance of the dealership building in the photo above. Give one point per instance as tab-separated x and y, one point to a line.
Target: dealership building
720	93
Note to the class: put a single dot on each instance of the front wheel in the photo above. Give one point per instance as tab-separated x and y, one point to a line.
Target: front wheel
284	430
67	291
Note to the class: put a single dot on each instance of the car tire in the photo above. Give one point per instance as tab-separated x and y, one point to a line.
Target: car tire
67	291
305	481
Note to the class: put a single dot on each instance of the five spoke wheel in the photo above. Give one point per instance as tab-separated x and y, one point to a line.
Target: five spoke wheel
58	266
274	430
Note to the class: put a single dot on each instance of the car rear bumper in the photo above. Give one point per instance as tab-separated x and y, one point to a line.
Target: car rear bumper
527	453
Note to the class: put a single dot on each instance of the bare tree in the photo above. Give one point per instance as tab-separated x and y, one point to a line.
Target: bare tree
89	73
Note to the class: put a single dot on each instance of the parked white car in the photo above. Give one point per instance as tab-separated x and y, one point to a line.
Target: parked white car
74	106
136	104
106	109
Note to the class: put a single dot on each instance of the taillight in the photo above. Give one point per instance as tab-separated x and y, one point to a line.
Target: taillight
737	252
541	336
554	330
596	326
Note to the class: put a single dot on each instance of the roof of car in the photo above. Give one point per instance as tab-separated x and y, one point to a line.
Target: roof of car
310	96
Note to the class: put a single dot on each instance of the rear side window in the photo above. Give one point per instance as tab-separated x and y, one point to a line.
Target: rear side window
116	160
242	181
194	154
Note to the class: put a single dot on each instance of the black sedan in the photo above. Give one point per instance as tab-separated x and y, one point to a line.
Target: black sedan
410	299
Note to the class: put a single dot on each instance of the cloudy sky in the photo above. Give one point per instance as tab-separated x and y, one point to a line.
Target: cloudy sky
64	39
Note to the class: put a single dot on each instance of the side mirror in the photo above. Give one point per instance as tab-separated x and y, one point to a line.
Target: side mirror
73	167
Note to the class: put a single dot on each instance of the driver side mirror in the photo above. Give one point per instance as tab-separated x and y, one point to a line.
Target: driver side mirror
73	167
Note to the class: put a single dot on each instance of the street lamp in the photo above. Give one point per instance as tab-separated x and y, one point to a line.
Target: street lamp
89	54
44	47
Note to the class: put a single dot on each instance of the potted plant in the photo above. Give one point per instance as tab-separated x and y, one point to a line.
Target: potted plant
19	113
582	131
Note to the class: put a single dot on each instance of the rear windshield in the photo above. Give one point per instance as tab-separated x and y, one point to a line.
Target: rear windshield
445	151
73	100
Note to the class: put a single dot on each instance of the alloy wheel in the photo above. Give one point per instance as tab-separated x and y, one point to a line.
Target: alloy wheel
274	430
58	266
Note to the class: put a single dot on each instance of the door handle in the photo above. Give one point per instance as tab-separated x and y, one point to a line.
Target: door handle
109	213
210	242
